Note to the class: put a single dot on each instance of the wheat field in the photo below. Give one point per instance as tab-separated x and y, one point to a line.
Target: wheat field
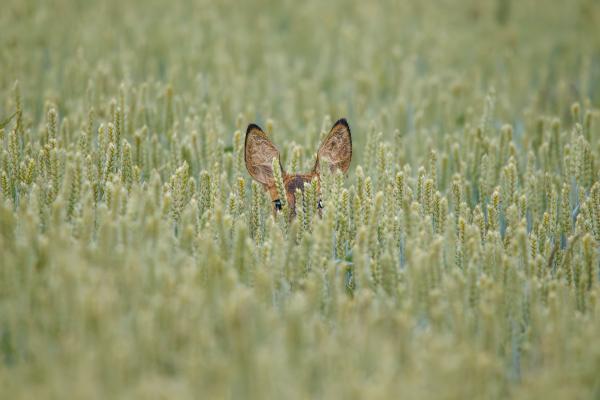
459	257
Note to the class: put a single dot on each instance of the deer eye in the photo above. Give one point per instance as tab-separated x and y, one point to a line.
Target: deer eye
319	205
277	204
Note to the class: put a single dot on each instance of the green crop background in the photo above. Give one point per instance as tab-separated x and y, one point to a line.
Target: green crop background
458	259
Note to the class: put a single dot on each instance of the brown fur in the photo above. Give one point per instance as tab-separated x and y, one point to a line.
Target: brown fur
293	182
259	153
336	149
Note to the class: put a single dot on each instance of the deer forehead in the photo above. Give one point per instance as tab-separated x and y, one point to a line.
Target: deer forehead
296	181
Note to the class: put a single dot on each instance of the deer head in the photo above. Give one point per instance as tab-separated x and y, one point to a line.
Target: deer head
259	153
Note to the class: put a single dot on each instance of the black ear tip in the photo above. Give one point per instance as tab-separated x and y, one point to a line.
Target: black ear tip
251	127
342	121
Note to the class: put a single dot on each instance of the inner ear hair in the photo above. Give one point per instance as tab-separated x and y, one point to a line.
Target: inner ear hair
259	152
336	149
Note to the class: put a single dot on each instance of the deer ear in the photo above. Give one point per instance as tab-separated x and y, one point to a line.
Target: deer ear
259	152
336	149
